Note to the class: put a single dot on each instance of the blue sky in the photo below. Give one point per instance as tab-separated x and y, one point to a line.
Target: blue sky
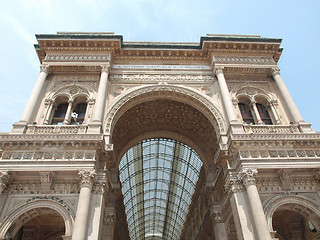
296	22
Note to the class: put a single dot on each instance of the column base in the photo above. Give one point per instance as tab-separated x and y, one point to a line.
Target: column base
66	237
95	127
236	127
19	127
305	127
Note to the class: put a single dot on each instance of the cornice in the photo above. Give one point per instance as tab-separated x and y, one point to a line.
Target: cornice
73	42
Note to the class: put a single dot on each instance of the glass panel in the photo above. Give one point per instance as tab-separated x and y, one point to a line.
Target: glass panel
158	178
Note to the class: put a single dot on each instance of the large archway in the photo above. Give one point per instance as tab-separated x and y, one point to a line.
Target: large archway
293	217
165	114
162	114
48	218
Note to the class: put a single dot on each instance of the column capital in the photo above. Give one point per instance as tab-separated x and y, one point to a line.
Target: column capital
275	71
4	179
87	178
273	102
44	68
105	68
247	176
233	185
218	70
70	101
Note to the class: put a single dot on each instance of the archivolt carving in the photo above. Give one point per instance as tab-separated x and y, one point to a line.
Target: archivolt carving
72	91
180	93
251	92
38	203
308	208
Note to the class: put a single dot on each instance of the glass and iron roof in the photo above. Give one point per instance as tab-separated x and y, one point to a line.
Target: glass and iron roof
158	178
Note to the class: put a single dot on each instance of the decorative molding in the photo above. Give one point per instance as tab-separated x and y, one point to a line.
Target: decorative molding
52	155
56	129
189	95
50	57
142	78
284	154
169	67
4	179
243	60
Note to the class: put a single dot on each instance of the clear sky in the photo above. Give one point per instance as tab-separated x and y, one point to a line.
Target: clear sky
296	22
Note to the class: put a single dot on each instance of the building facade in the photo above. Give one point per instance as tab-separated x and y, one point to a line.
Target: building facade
139	140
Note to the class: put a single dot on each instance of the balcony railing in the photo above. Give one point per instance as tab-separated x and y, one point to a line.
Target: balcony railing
57	129
261	129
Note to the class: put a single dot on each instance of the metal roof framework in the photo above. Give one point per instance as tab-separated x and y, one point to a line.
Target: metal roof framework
158	178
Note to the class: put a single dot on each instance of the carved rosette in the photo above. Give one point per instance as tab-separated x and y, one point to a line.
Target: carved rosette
87	178
4	179
247	176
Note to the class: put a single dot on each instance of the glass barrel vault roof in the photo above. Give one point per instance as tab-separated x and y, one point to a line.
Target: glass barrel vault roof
158	178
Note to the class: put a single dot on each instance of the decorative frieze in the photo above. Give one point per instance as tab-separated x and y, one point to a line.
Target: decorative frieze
50	57
42	156
282	153
243	60
55	129
261	129
162	67
159	78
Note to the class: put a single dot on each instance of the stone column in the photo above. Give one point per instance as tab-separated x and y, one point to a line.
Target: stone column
260	222
236	126
4	179
109	222
256	112
67	117
35	95
101	96
292	108
219	227
49	104
225	95
272	105
240	211
97	116
80	223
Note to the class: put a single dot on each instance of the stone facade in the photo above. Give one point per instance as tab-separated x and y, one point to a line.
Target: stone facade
97	96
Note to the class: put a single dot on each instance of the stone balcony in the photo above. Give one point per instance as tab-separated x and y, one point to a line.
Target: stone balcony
57	129
263	129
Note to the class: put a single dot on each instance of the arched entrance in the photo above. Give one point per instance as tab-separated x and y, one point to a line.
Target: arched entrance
175	118
38	219
293	217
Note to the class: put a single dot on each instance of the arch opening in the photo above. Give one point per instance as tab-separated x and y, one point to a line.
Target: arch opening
158	178
293	224
38	223
169	119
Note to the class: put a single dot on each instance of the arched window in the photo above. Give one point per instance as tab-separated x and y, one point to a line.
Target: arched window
264	114
59	114
246	114
79	113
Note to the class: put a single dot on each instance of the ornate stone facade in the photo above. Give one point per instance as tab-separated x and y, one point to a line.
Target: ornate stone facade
97	96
